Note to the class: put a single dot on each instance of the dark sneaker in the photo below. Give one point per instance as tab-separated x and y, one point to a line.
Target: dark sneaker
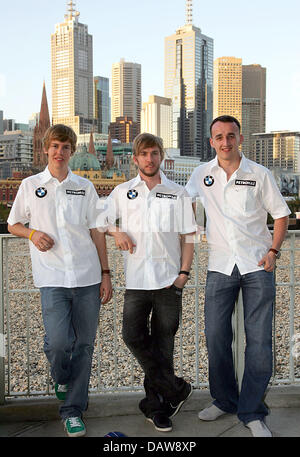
74	427
161	422
171	409
60	391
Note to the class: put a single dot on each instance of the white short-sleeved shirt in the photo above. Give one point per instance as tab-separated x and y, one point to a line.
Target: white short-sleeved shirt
236	212
65	211
154	220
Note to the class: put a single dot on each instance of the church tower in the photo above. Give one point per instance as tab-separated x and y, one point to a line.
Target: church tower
39	158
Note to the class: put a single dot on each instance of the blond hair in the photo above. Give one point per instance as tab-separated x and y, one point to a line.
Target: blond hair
147	140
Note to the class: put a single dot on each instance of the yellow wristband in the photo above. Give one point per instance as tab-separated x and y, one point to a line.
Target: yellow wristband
30	236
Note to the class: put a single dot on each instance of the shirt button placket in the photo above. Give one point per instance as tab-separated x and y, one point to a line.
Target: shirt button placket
60	209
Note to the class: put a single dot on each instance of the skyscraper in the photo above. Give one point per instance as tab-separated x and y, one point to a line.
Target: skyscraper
156	118
126	91
228	87
253	105
101	103
1	122
124	129
278	149
72	73
189	83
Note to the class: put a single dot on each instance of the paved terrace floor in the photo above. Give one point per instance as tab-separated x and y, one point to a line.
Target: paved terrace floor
119	412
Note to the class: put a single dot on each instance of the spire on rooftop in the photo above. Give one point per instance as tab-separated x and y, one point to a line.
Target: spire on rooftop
189	12
71	10
92	145
44	111
109	153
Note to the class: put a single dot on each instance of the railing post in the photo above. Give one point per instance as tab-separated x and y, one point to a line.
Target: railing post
238	345
2	339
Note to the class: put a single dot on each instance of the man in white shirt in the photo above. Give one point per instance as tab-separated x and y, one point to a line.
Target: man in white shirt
237	195
67	254
156	217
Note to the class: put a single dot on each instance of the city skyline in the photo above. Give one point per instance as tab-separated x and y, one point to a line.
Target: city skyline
258	33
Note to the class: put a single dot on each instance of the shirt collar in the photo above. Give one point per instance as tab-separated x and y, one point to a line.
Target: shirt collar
46	176
138	180
214	163
244	164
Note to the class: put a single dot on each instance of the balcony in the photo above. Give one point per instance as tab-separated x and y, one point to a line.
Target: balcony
28	406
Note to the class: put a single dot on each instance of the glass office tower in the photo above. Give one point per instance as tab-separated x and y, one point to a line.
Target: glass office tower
189	83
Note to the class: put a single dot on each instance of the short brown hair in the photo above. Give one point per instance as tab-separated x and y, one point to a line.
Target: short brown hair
147	140
62	133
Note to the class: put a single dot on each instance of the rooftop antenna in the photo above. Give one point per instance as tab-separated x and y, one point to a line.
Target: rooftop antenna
189	12
71	11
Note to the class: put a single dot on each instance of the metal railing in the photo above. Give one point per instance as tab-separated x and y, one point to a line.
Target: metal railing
24	370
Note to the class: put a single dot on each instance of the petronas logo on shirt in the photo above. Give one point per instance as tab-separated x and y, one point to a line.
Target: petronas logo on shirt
208	181
41	192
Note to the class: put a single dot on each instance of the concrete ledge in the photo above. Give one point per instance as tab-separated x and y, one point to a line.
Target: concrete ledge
126	404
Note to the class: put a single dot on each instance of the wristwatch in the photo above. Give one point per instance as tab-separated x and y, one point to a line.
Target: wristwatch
276	252
183	272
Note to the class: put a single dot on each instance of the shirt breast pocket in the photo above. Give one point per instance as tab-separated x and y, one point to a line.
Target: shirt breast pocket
247	198
74	210
162	216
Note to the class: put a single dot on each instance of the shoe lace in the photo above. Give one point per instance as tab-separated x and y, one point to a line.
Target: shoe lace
74	422
62	388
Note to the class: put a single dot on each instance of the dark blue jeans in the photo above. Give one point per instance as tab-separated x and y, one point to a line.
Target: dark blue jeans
151	340
70	319
258	291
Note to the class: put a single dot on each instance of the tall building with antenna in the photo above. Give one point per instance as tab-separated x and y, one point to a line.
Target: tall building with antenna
72	73
189	83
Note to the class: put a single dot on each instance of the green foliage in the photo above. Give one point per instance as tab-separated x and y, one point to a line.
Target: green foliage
4	212
294	205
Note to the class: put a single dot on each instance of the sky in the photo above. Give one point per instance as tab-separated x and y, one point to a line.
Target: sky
264	32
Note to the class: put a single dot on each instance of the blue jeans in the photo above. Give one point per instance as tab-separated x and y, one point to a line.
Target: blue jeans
258	291
70	319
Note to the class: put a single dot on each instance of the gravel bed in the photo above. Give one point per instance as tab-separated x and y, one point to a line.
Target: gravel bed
113	366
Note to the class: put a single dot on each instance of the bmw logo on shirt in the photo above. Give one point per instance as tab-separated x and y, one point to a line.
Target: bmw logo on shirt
208	181
131	194
41	192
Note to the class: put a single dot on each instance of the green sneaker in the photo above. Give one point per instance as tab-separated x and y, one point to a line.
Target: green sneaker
74	427
60	391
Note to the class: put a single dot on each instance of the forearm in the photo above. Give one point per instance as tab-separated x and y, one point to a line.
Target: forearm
41	240
280	230
19	230
100	243
122	240
98	238
187	253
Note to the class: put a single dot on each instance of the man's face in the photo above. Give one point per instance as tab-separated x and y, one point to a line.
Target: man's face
226	139
148	161
59	154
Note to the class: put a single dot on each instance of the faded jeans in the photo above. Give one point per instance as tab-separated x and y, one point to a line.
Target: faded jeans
70	319
258	291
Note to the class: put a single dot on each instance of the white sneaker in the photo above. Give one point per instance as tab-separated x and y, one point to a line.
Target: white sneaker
211	413
259	429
